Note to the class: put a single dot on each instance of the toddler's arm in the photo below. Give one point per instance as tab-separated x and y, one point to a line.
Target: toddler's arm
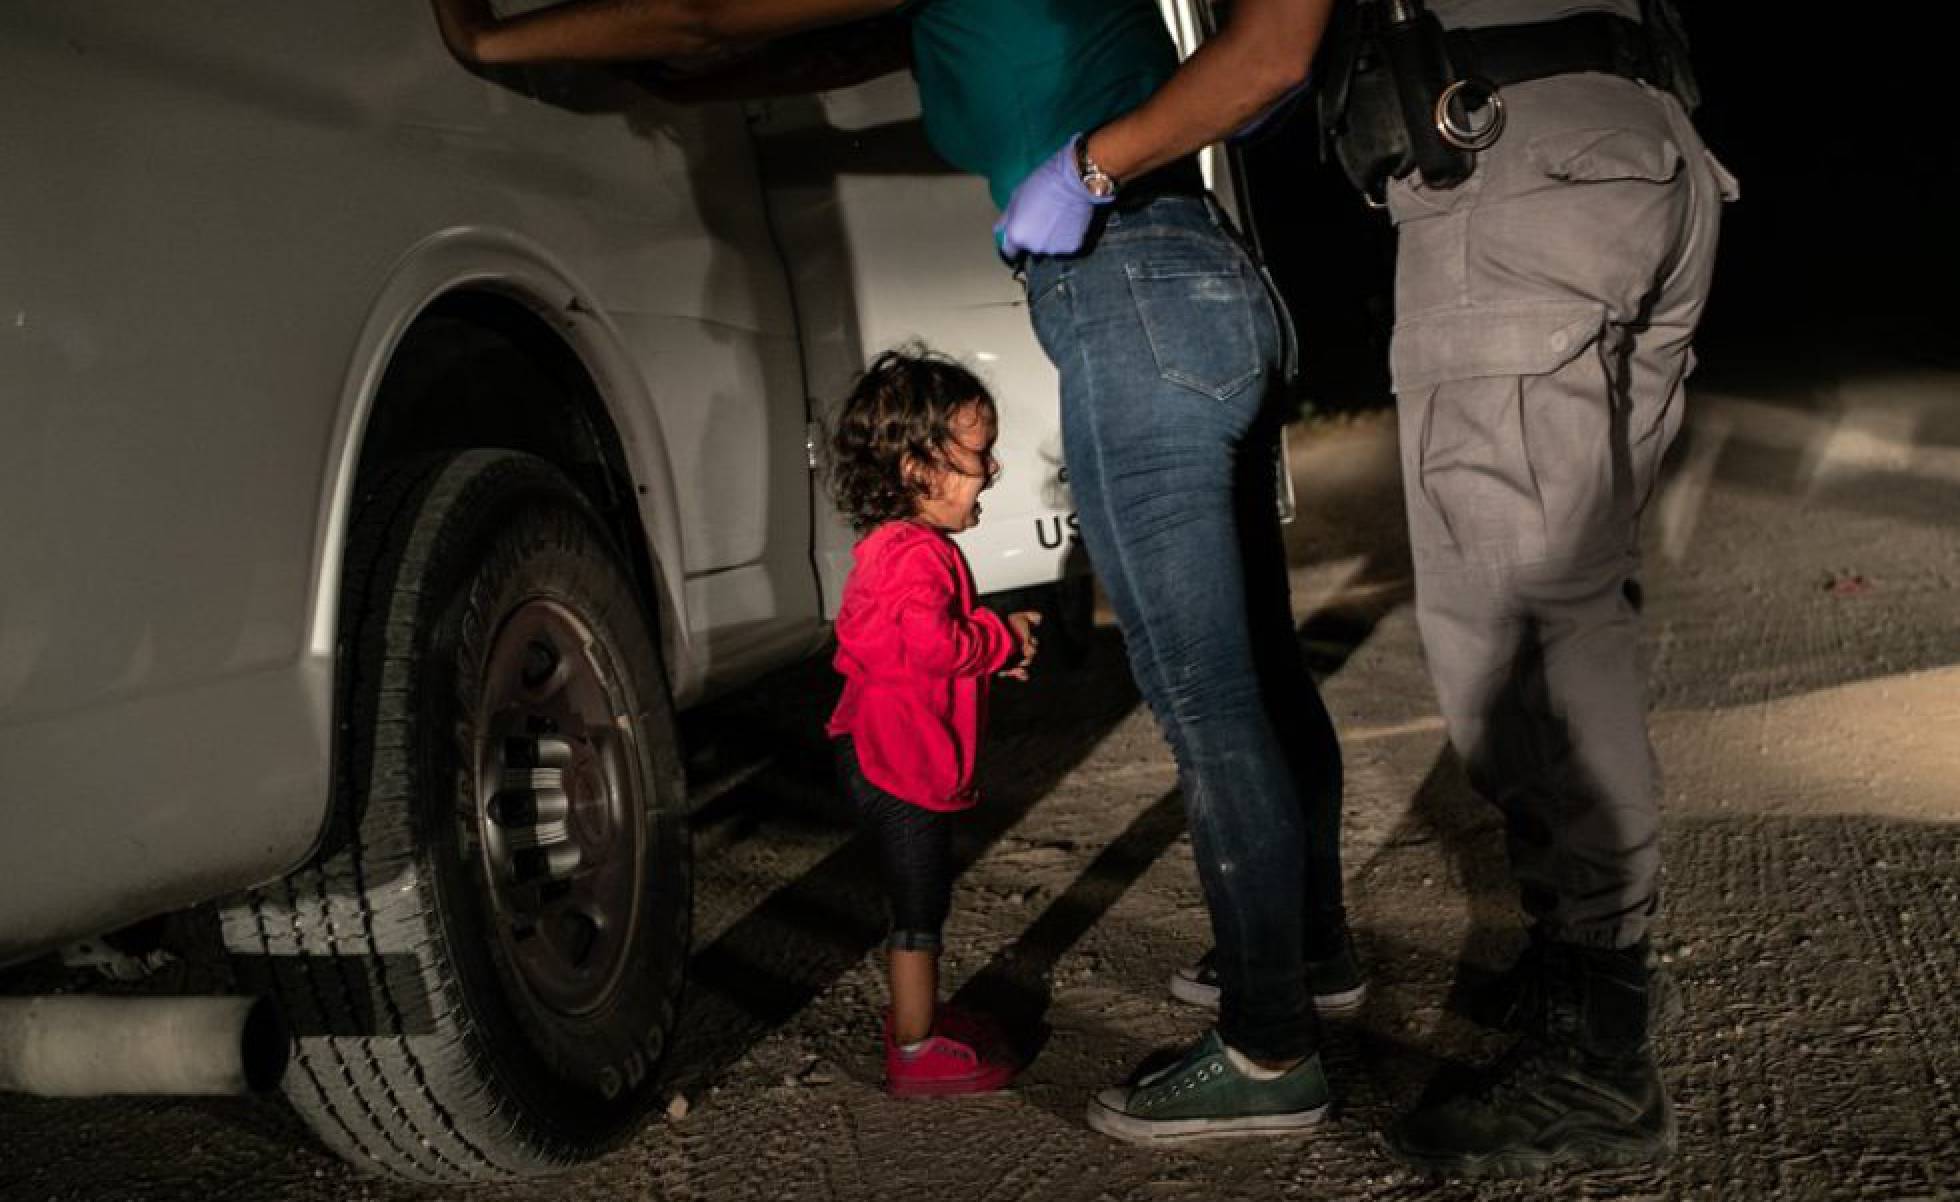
937	637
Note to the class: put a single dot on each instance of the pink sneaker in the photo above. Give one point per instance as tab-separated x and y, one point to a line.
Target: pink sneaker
976	1030
942	1066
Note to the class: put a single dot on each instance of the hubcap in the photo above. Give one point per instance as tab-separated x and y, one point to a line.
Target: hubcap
559	807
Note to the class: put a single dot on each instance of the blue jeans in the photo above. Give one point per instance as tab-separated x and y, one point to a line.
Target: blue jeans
1169	348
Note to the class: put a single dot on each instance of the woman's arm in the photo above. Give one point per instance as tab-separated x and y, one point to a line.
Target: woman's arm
818	61
618	30
1262	53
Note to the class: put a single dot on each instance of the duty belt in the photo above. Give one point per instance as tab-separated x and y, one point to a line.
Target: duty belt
1400	93
1502	55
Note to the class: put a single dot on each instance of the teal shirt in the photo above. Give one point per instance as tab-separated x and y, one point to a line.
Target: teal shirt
1005	82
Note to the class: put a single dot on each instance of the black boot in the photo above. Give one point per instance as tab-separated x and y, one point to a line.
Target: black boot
1579	1091
1513	1001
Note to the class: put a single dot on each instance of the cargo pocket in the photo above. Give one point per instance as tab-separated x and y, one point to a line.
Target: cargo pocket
1513	338
1603	155
1507	431
1198	320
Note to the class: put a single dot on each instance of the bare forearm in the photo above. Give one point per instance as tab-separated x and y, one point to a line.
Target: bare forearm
1264	50
598	30
617	30
813	62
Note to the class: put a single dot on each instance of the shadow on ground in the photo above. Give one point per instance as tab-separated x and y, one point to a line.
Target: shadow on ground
804	935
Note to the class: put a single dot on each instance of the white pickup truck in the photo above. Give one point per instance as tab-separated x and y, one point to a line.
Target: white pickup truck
389	452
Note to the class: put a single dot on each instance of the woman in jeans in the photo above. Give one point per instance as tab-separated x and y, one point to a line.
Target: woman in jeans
1170	349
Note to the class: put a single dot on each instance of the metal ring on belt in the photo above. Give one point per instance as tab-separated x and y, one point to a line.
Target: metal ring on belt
1464	92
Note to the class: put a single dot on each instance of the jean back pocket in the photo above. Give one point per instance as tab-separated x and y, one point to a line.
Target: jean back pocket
1198	318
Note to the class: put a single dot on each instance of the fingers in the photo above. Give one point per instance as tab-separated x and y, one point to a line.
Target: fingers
1023	623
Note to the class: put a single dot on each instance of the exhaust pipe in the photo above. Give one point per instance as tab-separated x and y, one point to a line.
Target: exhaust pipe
84	1046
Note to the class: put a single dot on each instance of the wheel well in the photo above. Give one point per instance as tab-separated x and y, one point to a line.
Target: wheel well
480	369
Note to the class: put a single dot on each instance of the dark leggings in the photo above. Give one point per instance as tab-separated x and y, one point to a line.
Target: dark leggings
915	855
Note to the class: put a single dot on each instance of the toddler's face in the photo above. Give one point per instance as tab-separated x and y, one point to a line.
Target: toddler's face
953	502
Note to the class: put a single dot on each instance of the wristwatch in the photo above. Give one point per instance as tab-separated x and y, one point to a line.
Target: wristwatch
1099	184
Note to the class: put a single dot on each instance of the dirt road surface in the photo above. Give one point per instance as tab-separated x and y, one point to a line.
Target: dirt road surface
1803	597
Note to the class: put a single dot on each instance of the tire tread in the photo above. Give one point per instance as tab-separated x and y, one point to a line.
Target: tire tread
424	1106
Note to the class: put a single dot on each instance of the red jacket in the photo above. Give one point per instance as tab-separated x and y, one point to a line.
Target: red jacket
916	655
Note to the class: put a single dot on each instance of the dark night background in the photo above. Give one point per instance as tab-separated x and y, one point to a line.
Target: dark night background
1843	243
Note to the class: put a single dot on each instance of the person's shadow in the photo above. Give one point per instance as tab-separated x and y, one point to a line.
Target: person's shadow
796	942
1348	509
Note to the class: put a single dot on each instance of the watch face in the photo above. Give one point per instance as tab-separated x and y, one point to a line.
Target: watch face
1098	183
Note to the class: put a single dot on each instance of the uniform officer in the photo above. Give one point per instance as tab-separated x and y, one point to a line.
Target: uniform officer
1544	308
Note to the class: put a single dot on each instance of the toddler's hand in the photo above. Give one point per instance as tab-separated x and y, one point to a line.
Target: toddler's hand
1022	623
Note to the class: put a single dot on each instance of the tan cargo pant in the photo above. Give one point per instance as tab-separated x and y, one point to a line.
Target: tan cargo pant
1544	310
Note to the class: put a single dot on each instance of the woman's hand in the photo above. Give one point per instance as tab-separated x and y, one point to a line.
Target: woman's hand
462	22
1023	624
1050	212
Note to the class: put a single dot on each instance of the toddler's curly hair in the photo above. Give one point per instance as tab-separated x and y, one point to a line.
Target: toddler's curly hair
899	410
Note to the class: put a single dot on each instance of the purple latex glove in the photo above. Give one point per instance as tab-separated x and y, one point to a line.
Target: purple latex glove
1049	213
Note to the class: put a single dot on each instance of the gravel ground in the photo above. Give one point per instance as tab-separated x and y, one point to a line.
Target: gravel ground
1805	641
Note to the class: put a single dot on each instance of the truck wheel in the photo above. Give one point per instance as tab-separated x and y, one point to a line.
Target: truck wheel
480	965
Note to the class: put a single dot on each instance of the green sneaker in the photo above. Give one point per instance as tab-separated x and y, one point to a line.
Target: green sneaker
1204	1096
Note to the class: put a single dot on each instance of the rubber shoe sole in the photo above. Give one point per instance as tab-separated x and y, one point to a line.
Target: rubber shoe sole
990	1079
1596	1151
1107	1116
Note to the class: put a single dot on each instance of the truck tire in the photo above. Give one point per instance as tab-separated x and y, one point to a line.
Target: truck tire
480	965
